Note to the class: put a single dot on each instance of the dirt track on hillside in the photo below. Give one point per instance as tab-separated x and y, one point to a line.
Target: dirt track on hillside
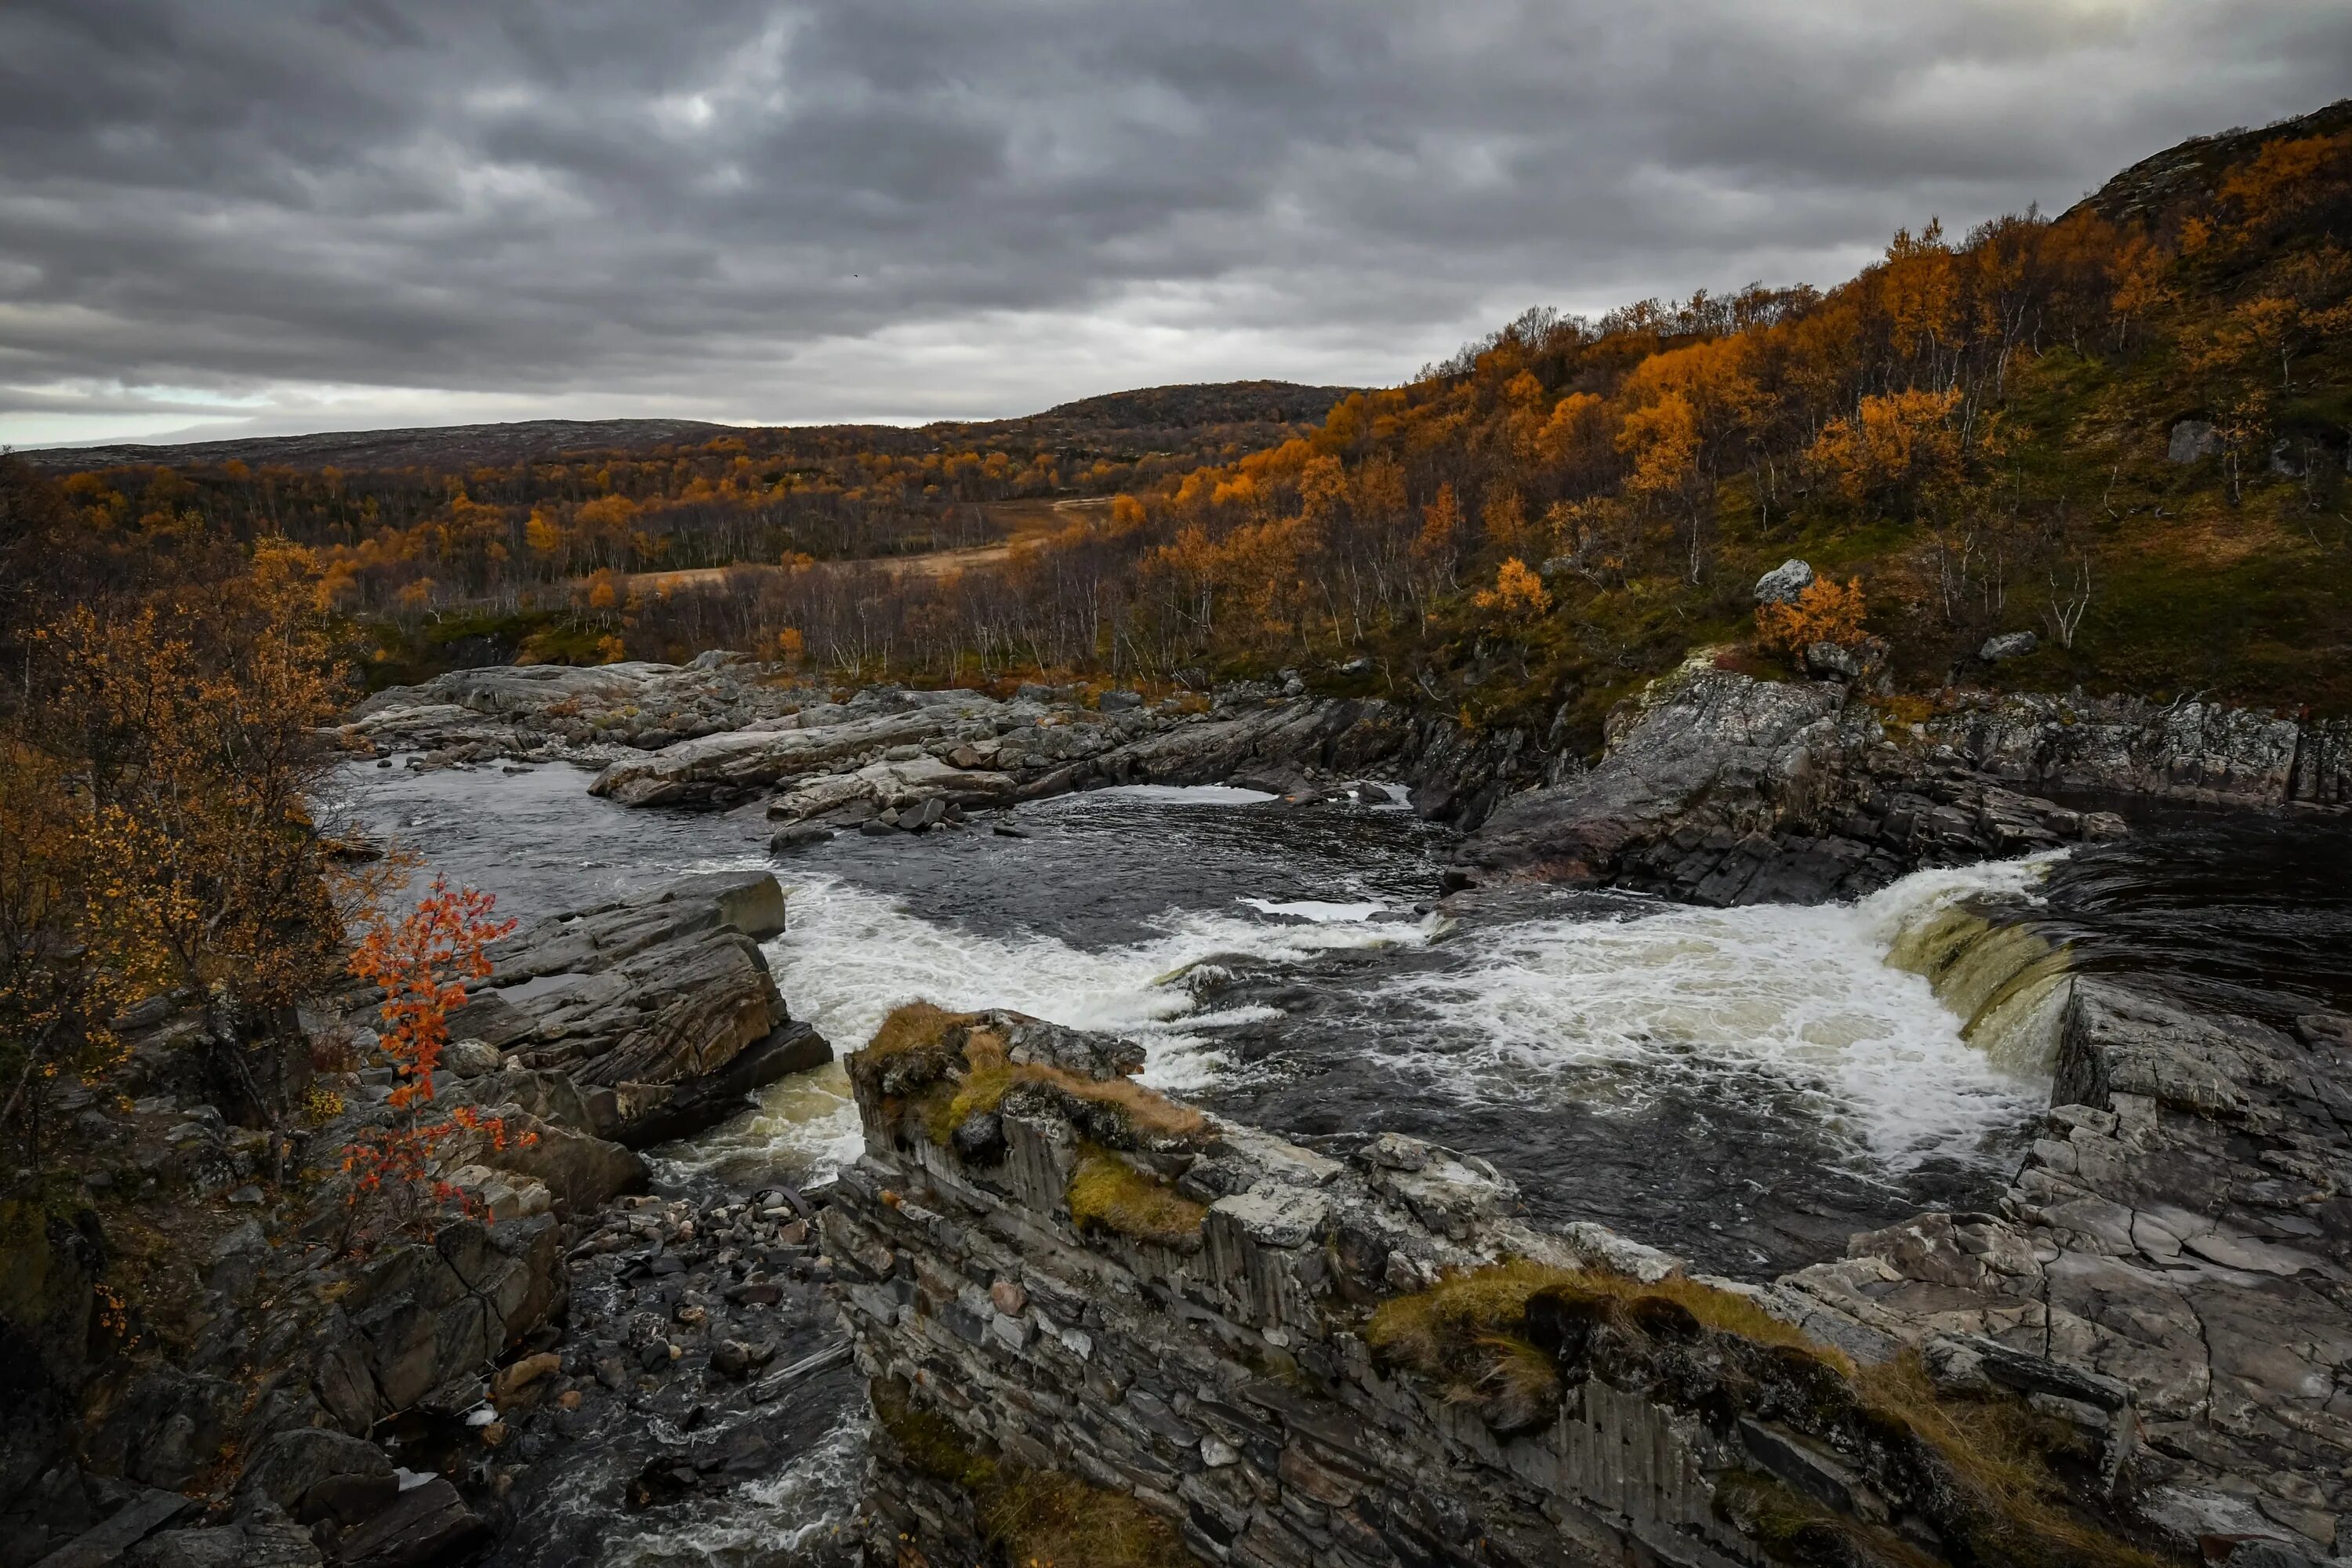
1024	521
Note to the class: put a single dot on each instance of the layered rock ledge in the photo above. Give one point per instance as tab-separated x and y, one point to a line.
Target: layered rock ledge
1713	787
1200	1319
427	1401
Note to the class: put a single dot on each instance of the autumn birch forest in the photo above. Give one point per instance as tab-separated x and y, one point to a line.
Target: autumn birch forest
2124	429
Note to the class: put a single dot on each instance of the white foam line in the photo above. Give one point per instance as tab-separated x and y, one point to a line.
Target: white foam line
1800	994
1318	910
851	956
1176	794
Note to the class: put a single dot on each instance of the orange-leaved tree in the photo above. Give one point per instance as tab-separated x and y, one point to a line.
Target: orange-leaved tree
423	962
1517	591
1823	613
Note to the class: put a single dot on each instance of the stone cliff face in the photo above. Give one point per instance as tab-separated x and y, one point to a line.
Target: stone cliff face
2164	1280
1720	789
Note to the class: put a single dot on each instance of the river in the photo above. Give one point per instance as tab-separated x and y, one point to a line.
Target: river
1744	1087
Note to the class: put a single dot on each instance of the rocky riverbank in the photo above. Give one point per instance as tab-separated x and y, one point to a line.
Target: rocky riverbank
728	731
266	1395
1715	788
1266	1354
2162	1274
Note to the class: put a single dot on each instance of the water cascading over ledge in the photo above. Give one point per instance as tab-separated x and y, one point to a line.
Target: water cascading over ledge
1991	966
1100	1328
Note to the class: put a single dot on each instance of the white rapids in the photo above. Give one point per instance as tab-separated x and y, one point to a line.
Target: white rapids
1803	996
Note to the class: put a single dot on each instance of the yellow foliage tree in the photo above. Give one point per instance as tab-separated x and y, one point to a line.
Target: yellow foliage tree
1823	613
1895	448
1517	591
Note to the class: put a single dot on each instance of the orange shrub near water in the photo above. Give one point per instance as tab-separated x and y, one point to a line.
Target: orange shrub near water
423	963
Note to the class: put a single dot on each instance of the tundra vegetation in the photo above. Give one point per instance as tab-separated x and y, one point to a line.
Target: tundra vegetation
2124	429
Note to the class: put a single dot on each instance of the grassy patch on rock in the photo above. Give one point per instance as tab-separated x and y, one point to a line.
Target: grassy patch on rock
1507	1338
1106	1193
1035	1519
945	1069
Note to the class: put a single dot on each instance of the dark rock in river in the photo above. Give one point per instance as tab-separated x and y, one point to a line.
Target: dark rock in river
1720	789
658	1011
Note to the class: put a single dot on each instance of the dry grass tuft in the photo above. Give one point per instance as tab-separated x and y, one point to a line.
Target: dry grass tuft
1036	1519
918	1026
1043	1519
1436	1331
1108	1192
1469	1334
1995	1449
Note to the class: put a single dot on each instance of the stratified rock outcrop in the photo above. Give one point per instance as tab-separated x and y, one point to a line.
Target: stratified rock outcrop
1054	1271
1074	1277
658	1010
547	712
2181	1224
2191	750
832	764
1722	789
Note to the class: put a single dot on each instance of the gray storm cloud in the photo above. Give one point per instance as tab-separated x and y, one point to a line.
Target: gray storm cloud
272	217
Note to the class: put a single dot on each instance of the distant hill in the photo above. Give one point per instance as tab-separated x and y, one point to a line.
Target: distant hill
429	446
1128	418
2192	172
1204	402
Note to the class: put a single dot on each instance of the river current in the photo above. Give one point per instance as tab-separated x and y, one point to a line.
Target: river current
1744	1087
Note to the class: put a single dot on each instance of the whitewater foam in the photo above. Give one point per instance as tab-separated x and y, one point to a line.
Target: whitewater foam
1316	910
801	1508
1171	795
1803	996
851	956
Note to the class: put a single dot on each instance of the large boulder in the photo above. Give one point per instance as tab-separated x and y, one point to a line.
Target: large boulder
2009	645
1741	755
317	1472
1720	789
264	1539
628	1020
427	1524
581	1171
427	1313
1785	584
695	772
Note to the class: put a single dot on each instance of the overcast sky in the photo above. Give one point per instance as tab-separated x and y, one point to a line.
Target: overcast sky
229	216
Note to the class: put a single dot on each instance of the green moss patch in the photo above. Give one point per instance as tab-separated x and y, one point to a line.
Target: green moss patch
1035	1519
1106	1193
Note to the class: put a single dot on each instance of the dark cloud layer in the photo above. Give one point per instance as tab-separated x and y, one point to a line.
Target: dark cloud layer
334	213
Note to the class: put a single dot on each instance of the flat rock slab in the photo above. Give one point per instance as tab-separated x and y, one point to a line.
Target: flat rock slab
106	1545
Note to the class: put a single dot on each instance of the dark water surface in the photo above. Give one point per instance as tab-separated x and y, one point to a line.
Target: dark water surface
1745	1087
2246	911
